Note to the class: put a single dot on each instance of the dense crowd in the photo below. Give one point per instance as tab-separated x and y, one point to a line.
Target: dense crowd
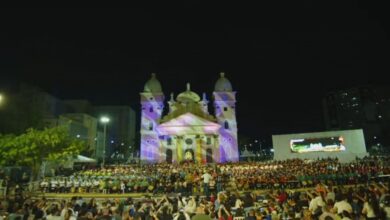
291	189
322	202
195	179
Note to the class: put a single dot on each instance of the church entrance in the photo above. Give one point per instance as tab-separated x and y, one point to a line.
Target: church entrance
209	155
169	156
189	155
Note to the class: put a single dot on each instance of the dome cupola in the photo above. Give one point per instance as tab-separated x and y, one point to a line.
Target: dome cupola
223	84
153	85
188	96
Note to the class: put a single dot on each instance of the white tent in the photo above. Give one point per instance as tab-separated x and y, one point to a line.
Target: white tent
83	159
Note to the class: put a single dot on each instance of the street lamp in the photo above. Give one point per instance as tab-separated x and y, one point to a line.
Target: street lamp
104	120
1	98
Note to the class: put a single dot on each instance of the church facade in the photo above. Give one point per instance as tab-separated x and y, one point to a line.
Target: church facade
188	132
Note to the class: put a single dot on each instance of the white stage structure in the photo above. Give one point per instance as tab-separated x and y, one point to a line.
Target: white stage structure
346	145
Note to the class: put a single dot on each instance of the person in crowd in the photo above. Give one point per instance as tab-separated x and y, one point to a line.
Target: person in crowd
206	181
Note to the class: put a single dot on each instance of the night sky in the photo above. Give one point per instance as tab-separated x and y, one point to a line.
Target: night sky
281	59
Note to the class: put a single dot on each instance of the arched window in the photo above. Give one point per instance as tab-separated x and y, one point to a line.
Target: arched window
226	125
169	141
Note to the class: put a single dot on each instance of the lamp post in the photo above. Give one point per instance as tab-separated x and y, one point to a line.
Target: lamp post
104	120
1	99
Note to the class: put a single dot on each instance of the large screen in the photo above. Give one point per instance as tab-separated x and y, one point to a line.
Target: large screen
317	144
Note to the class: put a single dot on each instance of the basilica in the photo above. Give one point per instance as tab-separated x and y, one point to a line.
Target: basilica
188	132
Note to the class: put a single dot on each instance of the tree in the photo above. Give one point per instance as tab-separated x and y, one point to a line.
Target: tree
34	146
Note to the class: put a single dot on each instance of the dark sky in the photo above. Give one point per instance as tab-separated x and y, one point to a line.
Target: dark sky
281	59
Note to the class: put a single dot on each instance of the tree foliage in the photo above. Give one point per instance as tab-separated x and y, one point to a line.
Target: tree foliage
34	146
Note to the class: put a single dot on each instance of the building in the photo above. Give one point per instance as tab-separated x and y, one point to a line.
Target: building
366	107
29	106
82	126
77	106
120	130
188	131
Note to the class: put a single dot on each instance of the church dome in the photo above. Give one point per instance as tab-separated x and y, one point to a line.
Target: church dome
188	96
223	84
153	85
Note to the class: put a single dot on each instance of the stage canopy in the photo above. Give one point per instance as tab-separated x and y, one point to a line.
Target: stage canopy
83	159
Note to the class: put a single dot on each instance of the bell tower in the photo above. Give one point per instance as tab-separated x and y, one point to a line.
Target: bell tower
152	105
225	112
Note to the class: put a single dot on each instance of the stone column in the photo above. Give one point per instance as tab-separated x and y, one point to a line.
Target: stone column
173	147
162	150
179	148
198	150
216	152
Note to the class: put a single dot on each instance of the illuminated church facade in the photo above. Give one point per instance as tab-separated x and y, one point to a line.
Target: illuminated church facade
188	132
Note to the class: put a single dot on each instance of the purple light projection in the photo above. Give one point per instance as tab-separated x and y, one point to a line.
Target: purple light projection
224	103
189	120
188	124
152	105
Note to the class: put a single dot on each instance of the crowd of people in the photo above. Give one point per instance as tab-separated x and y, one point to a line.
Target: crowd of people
321	202
291	189
198	179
